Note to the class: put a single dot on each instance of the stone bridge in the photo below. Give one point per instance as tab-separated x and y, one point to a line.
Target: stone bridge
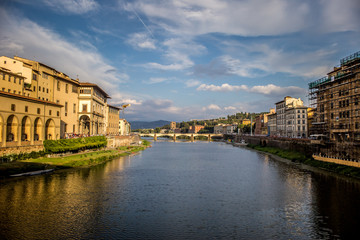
174	135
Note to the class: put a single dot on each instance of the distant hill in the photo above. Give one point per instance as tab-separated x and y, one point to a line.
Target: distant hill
145	125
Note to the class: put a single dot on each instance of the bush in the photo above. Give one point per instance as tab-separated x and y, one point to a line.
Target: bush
75	144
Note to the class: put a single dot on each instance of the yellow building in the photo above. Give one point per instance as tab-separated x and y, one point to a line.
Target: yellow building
92	107
47	84
25	120
112	120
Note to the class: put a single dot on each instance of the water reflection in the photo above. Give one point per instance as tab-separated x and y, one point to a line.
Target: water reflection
182	190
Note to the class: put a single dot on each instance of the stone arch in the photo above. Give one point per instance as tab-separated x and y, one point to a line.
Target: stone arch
25	129
38	129
12	125
84	123
50	133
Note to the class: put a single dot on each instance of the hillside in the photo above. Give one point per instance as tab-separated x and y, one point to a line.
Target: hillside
147	125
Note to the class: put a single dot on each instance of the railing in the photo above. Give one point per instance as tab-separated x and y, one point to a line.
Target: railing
350	58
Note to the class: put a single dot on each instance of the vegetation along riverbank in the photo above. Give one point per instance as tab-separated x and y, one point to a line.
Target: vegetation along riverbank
308	160
56	157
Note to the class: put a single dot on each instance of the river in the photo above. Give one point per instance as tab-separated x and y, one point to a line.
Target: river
182	190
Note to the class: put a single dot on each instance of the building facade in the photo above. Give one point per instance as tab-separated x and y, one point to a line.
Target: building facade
336	100
124	127
195	128
296	122
281	108
112	120
92	107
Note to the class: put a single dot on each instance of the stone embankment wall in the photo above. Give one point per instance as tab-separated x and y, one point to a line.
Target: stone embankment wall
300	145
345	151
119	141
20	149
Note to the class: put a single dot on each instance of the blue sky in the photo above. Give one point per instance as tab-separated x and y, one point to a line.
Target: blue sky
184	59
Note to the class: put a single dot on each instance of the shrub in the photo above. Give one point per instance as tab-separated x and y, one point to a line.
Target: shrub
75	144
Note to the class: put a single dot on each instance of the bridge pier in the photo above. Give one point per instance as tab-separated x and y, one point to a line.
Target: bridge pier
192	138
174	137
155	137
209	138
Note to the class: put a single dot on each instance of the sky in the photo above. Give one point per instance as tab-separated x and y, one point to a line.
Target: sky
178	60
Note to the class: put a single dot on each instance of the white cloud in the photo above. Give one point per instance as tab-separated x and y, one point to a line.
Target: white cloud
72	6
142	41
269	89
192	83
157	80
27	39
177	53
223	88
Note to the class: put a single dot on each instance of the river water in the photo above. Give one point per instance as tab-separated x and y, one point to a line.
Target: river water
182	190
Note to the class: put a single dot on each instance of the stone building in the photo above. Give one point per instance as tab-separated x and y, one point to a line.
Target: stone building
124	127
172	125
281	108
296	122
112	120
25	120
92	107
47	84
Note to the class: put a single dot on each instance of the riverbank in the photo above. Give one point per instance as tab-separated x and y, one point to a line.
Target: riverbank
298	157
76	160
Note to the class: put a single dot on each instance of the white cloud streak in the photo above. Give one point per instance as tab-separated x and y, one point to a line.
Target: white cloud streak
72	6
269	89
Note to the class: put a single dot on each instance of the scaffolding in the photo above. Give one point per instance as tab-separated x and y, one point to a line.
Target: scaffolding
336	102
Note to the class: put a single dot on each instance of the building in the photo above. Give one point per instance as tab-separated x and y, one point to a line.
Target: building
195	128
92	105
124	127
336	100
261	123
47	84
112	120
281	108
225	128
272	124
172	125
296	122
25	120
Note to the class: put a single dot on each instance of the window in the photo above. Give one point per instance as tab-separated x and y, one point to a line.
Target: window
45	75
303	121
3	76
66	107
84	107
298	121
34	88
9	78
303	116
39	89
57	113
14	79
12	107
58	85
66	88
73	128
34	76
38	111
74	111
49	112
74	89
356	101
47	90
26	108
303	128
43	89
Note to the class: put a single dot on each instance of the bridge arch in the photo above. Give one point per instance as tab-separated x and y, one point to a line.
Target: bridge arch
25	129
50	132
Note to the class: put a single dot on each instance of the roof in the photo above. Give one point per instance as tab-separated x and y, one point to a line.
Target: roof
86	84
30	99
118	108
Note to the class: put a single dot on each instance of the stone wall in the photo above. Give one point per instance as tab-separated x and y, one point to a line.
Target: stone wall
339	150
119	141
20	149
